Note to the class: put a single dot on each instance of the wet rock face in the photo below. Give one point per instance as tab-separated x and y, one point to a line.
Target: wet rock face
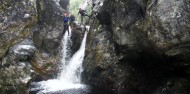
149	47
76	38
100	59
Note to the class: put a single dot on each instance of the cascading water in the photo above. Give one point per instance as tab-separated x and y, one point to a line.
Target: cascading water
69	78
65	52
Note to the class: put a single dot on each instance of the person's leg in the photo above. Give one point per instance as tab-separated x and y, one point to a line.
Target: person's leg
68	29
64	29
81	19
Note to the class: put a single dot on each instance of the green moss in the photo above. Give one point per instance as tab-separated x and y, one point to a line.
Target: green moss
5	4
46	66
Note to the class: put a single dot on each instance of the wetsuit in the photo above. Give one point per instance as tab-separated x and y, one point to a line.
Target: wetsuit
82	13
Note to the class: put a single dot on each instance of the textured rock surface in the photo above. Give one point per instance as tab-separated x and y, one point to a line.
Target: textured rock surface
139	47
133	47
17	20
49	30
30	36
64	4
16	68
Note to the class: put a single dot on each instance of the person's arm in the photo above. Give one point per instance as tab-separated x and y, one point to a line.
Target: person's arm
69	18
84	10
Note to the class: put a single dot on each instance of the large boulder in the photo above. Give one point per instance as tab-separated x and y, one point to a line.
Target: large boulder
139	46
49	31
23	51
17	19
169	26
16	68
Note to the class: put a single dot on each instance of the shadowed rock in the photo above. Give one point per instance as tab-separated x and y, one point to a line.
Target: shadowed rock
139	47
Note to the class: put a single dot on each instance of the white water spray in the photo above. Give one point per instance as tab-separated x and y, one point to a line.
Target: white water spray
69	77
73	70
65	52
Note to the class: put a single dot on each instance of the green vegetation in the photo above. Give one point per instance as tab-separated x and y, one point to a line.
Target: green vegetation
74	8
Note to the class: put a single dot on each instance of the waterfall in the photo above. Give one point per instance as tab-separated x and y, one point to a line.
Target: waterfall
65	52
69	78
73	70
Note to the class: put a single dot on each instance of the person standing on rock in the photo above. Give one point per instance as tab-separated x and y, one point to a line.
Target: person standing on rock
82	13
66	20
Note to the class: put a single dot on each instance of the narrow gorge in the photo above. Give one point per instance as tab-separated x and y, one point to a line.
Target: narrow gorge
132	46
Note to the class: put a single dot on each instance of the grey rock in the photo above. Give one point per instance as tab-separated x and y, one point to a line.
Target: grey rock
138	46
